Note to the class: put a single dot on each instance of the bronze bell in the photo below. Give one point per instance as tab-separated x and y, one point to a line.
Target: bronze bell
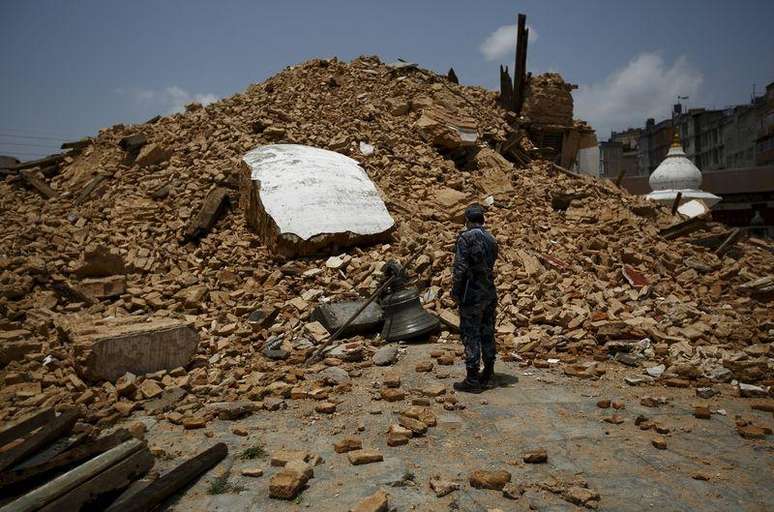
404	316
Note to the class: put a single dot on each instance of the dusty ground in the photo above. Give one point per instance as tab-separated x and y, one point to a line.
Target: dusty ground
530	408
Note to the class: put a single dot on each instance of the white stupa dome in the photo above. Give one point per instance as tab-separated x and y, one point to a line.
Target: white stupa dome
677	174
676	171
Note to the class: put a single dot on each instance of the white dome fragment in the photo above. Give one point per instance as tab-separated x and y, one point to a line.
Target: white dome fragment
676	173
305	200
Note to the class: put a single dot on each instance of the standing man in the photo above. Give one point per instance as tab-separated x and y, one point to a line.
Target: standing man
474	291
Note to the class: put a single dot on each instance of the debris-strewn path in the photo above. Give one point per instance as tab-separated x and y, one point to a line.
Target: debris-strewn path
706	465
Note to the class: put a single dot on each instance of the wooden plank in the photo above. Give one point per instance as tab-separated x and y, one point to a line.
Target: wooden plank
683	228
72	456
63	484
48	433
676	202
77	144
42	162
169	484
734	237
54	449
211	210
40	186
90	187
105	484
26	425
518	68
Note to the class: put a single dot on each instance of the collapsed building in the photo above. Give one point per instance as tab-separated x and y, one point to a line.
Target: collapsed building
187	263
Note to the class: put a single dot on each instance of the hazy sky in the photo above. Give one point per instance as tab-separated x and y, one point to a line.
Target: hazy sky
68	68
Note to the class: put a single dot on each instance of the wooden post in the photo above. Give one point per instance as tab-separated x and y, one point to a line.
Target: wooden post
676	202
28	424
47	434
518	70
106	483
734	237
63	484
169	484
523	79
72	456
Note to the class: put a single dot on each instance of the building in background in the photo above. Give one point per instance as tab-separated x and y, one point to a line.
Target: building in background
733	147
620	153
764	143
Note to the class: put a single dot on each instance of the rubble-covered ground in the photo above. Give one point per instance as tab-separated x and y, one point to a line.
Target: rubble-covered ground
565	241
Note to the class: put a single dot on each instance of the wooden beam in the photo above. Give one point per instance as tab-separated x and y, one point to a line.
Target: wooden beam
105	484
676	202
26	425
90	187
72	456
169	484
40	186
518	71
40	497
210	211
734	237
683	228
42	162
78	144
46	434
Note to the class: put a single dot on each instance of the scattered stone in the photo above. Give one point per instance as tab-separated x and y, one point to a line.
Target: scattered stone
535	456
252	472
659	442
751	432
416	426
702	412
656	371
282	457
386	355
325	407
442	487
137	429
398	435
239	431
377	502
436	389
677	383
358	457
391	379
513	491
424	366
603	404
706	393
392	394
286	484
581	496
348	444
194	422
615	419
618	405
494	480
751	391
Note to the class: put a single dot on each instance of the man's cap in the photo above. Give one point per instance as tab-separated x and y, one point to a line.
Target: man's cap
474	213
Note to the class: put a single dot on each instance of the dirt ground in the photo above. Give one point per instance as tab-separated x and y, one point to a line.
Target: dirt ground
706	466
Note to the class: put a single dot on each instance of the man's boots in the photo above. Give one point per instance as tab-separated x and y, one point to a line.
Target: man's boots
485	378
470	383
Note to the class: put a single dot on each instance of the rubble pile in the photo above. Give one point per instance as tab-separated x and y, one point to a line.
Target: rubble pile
548	100
145	223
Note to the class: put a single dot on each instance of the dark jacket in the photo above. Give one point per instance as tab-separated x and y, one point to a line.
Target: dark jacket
474	260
